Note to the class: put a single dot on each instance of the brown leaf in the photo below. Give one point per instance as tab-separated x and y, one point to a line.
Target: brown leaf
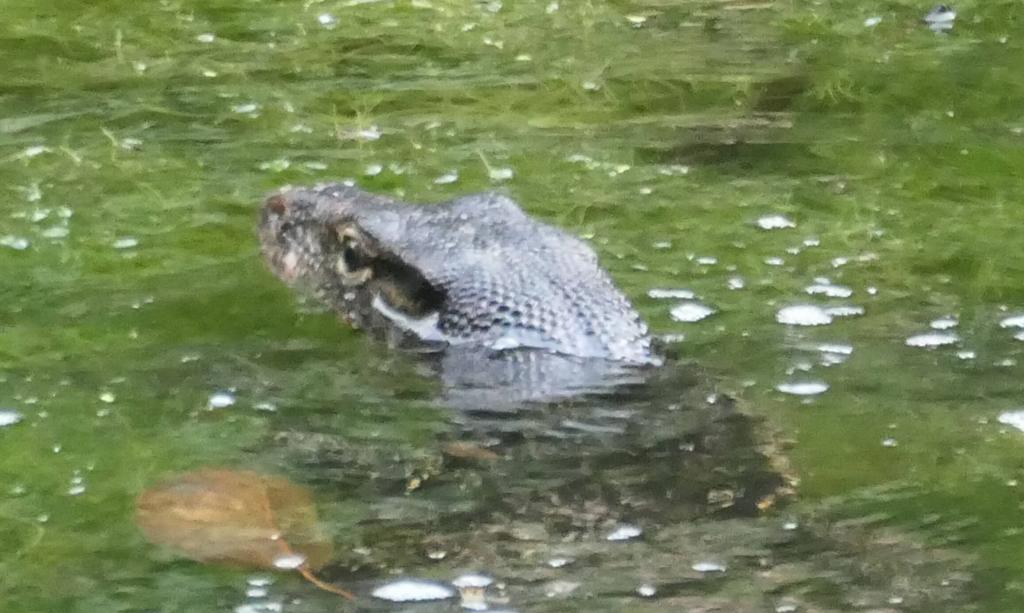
469	451
233	517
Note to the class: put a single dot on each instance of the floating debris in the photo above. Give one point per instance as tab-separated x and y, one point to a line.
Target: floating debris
933	339
646	590
624	532
689	312
9	417
803	315
413	590
775	222
803	388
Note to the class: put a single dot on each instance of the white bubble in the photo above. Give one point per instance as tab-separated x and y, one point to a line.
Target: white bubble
646	590
1016	321
1014	419
708	567
803	315
830	290
206	37
9	417
871	22
943	323
681	294
449	177
690	312
775	222
221	400
500	174
933	339
413	590
127	242
327	20
624	532
289	561
14	242
803	388
472	580
845	311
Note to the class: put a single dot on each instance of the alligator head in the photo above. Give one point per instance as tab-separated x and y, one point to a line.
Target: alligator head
472	271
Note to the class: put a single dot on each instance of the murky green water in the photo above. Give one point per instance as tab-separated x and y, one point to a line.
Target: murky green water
137	138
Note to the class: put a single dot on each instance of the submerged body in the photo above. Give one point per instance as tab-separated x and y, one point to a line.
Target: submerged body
472	271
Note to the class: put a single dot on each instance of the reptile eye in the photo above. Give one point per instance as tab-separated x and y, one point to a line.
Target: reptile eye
350	253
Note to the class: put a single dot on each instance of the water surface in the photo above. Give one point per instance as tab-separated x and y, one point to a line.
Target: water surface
836	187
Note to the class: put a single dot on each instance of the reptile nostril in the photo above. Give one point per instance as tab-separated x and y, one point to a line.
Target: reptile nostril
277	204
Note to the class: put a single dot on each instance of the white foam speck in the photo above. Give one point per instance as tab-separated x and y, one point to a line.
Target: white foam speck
206	37
1014	419
624	533
708	567
707	260
932	339
559	562
413	590
290	561
774	261
681	294
803	315
327	20
736	283
871	22
943	323
690	312
775	222
646	590
803	388
9	417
